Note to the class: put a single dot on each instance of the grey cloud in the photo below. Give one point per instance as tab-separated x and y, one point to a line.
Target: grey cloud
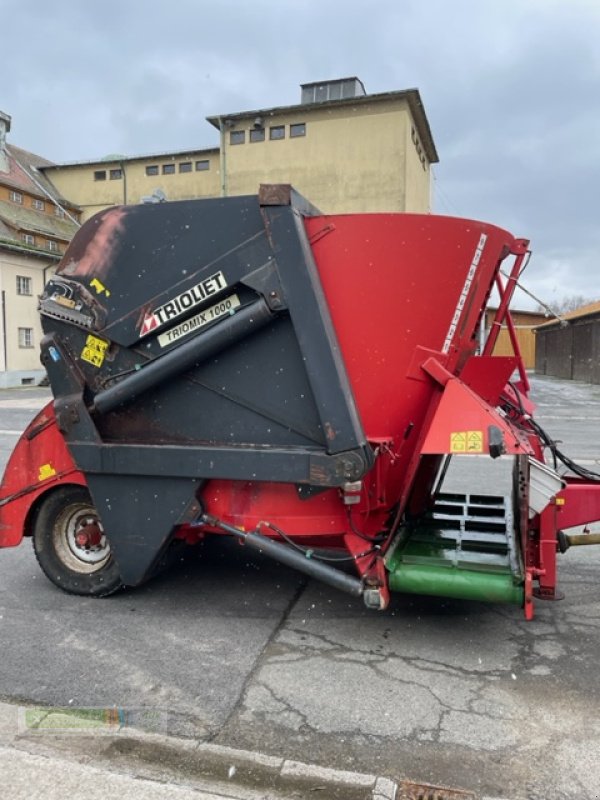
510	89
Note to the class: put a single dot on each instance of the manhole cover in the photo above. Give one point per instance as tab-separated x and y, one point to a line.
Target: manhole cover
407	790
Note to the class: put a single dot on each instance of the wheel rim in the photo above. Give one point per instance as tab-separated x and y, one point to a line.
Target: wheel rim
79	539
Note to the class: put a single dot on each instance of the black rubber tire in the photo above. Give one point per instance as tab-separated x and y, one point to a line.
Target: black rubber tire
92	572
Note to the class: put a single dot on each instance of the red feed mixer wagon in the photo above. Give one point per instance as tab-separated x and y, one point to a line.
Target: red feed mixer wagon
250	367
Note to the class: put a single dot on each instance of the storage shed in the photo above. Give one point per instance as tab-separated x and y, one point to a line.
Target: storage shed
570	349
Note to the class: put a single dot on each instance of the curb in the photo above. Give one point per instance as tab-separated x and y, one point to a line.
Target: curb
249	768
228	771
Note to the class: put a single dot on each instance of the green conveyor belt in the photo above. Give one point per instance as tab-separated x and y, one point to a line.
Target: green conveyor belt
455	582
464	548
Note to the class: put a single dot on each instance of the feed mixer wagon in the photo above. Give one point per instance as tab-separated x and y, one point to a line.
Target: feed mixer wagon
250	367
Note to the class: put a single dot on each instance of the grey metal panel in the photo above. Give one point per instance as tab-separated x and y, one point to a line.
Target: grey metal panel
582	351
571	352
595	369
559	345
540	352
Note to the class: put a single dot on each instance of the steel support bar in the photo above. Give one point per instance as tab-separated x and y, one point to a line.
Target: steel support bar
548	543
240	325
506	293
287	555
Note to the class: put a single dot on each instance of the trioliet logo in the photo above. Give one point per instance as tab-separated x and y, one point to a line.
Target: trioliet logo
182	303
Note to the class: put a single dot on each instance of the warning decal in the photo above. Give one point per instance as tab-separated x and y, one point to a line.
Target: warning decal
458	442
466	442
94	351
474	441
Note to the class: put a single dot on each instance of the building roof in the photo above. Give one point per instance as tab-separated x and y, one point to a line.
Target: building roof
412	97
21	172
591	309
24	174
20	218
28	250
117	159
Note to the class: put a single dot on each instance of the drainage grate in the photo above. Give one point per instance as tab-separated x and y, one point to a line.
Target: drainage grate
407	790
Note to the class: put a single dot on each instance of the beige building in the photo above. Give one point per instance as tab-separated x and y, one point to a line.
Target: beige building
345	150
121	180
36	224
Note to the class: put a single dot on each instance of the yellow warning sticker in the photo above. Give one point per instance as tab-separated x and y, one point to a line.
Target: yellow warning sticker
99	287
94	351
46	471
458	442
474	441
466	442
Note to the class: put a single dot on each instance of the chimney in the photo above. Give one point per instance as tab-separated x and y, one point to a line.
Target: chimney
4	129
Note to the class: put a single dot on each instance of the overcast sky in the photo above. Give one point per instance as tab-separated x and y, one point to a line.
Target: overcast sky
511	90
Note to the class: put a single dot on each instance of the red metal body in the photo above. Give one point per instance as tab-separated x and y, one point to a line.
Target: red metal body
39	463
406	294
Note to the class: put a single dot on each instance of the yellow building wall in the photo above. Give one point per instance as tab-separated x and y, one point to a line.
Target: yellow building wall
21	310
526	341
77	182
351	160
418	172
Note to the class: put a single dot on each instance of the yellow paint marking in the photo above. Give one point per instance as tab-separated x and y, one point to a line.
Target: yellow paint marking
46	471
99	287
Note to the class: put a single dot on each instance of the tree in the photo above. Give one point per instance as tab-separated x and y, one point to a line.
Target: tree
568	303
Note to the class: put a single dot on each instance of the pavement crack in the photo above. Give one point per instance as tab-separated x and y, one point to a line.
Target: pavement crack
261	659
287	707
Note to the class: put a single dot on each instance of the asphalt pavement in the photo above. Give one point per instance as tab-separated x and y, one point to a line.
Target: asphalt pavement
228	648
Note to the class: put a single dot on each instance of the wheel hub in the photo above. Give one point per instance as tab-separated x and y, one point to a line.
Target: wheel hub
89	536
80	539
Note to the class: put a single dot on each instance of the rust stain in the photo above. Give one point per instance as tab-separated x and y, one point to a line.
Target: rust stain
93	254
408	790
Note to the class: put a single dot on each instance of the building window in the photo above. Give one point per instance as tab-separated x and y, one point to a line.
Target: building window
202	166
25	337
257	135
298	129
237	137
16	197
152	170
277	132
59	212
168	169
100	175
185	166
52	246
116	174
24	284
39	205
28	238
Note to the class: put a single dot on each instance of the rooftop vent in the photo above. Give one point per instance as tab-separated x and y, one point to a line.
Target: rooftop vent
340	89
